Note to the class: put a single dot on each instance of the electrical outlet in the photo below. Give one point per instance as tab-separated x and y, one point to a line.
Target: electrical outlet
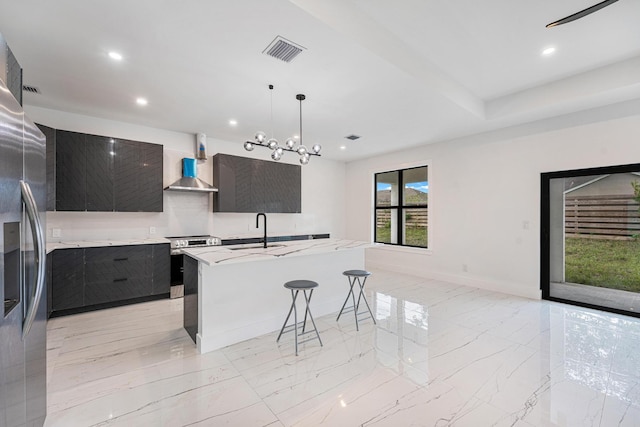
56	232
152	230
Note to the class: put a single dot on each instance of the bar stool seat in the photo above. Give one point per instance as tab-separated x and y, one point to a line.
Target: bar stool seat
296	286
359	276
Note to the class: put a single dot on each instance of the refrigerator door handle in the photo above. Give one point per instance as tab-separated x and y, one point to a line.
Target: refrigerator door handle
40	255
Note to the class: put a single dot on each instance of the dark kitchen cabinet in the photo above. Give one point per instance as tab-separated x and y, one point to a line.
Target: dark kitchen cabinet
71	171
151	177
14	76
103	174
49	281
91	278
67	279
50	135
138	177
252	185
161	269
117	273
99	173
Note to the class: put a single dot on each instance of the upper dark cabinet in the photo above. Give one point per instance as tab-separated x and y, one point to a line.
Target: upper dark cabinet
99	173
50	135
252	185
71	171
138	177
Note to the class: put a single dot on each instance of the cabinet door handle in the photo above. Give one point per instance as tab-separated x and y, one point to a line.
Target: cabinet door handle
120	280
121	259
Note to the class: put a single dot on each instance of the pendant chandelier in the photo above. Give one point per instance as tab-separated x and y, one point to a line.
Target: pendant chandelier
260	140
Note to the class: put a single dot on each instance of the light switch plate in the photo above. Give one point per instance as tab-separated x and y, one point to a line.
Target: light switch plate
56	232
152	230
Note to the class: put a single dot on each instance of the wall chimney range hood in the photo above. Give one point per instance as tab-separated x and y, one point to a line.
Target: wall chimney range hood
190	180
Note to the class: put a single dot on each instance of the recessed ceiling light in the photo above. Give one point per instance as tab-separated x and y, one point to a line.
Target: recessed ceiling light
233	122
115	56
343	147
548	51
141	101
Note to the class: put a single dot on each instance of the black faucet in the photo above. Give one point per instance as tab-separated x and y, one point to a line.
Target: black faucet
265	226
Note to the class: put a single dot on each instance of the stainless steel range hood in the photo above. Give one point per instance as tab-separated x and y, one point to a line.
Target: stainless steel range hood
190	180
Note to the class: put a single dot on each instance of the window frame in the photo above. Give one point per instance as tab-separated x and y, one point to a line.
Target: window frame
400	208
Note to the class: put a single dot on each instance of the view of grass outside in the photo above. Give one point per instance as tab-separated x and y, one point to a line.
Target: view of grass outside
611	264
415	236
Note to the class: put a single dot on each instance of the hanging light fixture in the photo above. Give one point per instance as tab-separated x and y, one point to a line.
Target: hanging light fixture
272	144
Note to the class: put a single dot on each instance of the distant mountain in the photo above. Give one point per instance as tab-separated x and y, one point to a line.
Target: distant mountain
412	196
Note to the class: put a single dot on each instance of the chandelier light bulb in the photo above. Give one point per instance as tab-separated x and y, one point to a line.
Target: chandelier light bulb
272	143
260	137
316	148
302	150
279	150
304	159
290	142
248	146
276	155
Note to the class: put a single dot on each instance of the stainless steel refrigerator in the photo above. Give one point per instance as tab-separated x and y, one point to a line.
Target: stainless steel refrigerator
23	379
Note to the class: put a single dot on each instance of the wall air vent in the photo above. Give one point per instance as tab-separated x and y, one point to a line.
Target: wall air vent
31	89
283	49
352	137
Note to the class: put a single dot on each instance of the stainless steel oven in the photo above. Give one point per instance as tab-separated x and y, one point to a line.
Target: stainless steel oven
178	244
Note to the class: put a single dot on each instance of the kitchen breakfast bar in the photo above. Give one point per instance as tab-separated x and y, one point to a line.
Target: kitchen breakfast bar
234	293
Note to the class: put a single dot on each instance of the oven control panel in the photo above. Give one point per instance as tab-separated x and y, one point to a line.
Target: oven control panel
194	242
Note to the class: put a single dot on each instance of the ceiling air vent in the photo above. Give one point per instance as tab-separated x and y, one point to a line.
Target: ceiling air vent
31	89
352	137
283	49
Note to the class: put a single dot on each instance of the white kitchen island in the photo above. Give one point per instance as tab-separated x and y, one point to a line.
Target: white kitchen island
240	292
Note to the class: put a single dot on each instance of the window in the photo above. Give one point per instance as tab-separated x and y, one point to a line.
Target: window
401	207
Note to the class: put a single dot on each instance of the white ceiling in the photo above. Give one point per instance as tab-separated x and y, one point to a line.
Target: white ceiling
399	73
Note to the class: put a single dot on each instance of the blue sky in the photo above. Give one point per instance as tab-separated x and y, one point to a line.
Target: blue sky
420	186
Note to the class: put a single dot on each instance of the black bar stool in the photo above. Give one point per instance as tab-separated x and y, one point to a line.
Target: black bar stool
361	277
297	286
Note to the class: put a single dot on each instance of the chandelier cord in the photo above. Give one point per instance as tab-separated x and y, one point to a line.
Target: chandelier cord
271	92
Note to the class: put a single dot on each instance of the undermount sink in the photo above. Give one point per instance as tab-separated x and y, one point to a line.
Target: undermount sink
253	246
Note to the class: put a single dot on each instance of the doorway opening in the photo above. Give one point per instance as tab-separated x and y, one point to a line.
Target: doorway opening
590	238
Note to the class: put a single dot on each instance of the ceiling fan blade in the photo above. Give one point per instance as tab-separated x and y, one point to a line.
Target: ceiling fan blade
582	13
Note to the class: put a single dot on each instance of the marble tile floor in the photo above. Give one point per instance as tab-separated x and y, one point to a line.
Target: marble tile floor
440	355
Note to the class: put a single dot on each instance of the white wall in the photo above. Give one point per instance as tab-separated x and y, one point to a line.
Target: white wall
484	201
323	192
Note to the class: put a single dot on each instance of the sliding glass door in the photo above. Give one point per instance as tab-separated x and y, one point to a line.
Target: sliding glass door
590	237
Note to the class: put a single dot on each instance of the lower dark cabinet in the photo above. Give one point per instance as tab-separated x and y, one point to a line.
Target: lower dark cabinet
87	279
121	289
67	279
161	269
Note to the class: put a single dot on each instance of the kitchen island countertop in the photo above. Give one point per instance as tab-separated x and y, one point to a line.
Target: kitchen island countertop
217	255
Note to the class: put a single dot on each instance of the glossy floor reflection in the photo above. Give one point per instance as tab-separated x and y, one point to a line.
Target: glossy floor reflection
440	355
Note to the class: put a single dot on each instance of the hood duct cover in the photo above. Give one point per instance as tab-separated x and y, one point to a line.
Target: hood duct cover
189	180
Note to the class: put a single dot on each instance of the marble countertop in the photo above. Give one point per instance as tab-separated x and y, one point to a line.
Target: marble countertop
51	246
258	235
216	255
